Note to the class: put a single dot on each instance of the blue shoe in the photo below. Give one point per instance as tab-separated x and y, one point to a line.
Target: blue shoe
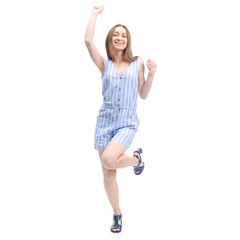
138	170
116	218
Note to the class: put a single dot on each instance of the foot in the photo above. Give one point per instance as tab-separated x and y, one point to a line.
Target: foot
118	223
116	229
137	160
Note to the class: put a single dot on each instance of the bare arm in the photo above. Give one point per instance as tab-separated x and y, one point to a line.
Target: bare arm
95	55
144	86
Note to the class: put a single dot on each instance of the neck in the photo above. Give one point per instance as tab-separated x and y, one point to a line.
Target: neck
118	57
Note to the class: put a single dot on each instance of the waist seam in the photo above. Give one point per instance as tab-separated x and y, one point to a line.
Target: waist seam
118	107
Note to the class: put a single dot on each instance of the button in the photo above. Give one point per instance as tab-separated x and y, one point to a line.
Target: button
119	89
119	100
121	77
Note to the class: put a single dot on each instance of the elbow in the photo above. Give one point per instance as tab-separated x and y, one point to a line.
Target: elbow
142	96
88	41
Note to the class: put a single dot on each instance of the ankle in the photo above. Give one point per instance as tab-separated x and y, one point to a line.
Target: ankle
117	212
136	161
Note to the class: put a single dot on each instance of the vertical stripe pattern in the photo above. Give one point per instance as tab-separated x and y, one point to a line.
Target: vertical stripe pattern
117	119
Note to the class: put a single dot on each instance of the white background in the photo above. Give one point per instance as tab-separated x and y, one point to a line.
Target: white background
50	93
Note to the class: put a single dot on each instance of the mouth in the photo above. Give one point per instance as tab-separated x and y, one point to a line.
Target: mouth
118	43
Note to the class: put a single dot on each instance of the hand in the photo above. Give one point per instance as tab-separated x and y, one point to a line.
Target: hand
97	10
152	66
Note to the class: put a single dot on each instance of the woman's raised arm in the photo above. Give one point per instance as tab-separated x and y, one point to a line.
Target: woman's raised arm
96	57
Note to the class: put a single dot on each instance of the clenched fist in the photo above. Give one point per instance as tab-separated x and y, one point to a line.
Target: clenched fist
97	10
152	66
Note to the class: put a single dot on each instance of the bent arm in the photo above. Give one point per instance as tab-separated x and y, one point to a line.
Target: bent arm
94	54
144	86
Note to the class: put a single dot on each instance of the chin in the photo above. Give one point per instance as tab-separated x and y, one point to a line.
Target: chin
122	48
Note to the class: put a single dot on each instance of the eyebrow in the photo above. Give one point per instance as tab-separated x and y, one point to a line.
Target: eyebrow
119	33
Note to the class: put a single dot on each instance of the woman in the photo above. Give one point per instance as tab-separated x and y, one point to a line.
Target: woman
117	122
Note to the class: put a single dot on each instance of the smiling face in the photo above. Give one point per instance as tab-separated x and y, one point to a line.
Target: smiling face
119	39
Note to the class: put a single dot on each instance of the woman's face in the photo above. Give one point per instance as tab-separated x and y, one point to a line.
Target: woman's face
119	39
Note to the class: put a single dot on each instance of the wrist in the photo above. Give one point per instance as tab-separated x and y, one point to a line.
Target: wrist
94	14
151	73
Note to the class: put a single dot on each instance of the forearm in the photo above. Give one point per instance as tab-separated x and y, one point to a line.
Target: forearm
90	28
147	85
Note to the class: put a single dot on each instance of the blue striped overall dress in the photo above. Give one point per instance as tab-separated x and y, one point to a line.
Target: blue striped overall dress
117	119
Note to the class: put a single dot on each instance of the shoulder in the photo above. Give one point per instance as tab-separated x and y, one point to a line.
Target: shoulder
108	62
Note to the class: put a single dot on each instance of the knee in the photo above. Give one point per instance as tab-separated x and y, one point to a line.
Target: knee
109	175
108	161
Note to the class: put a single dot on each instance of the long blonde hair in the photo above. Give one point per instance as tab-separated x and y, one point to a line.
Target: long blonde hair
127	55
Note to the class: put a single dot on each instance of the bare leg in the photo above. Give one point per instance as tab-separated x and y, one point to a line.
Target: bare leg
113	157
111	188
126	161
